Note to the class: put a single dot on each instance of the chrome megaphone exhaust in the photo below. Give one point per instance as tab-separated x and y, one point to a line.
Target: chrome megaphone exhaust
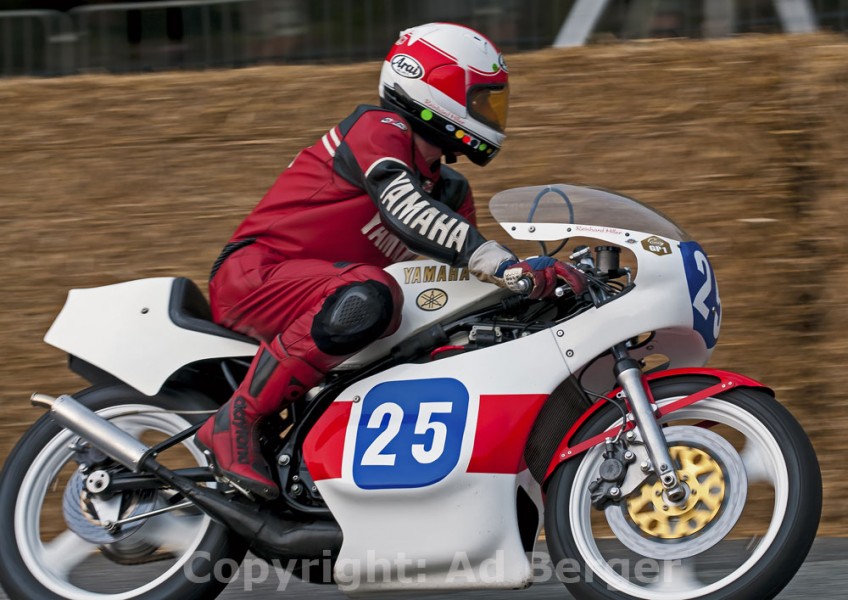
104	435
274	535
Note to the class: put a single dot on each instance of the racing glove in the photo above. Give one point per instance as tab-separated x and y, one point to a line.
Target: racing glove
537	277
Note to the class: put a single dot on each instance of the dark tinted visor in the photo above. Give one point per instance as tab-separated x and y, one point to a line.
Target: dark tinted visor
489	104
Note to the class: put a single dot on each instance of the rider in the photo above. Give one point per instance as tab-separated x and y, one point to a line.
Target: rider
303	272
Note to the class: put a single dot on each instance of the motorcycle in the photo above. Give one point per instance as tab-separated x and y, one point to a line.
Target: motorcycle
434	458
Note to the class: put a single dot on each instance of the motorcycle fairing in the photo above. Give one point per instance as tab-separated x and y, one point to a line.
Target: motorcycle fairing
493	453
659	302
674	295
126	330
431	479
432	292
673	280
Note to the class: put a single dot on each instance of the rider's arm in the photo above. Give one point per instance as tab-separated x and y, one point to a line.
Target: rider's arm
379	157
424	225
454	191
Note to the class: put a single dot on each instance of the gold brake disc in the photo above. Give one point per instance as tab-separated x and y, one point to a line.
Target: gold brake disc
655	516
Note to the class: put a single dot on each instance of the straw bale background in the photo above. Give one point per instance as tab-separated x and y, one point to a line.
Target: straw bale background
110	178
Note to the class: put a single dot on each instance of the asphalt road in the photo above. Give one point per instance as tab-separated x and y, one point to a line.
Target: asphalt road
823	576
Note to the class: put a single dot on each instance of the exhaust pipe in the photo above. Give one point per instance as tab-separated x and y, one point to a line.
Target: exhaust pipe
107	437
264	528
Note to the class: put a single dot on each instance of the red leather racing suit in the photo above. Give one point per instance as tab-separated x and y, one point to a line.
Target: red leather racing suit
362	197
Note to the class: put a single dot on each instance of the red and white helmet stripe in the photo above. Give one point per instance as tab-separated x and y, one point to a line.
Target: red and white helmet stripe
439	67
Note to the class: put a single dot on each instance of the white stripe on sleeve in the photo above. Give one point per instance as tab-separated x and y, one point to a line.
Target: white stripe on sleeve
335	137
327	145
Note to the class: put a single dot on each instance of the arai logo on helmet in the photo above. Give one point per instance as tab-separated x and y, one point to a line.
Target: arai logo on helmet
406	66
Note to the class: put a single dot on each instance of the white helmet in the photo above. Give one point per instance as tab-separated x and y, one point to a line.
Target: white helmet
451	84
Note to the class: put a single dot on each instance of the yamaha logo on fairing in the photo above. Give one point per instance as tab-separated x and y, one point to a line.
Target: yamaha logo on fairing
406	66
431	299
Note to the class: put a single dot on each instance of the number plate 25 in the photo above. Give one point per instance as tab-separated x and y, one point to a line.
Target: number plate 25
703	290
409	433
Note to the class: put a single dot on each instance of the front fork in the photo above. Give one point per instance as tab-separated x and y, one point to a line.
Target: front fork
628	372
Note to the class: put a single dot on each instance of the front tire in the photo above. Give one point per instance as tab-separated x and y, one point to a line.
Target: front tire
765	547
181	554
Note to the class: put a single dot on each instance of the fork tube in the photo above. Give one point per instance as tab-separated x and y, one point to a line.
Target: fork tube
629	375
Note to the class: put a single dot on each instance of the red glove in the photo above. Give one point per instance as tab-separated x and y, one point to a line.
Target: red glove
540	276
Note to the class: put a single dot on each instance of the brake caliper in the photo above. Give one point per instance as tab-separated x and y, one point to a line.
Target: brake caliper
607	488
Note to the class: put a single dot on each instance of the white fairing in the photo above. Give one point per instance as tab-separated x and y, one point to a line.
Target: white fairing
659	302
455	526
675	293
432	292
125	329
460	531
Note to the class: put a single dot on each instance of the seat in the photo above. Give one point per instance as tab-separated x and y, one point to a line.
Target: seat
189	309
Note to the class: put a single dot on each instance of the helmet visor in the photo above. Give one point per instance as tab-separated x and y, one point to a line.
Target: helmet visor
489	104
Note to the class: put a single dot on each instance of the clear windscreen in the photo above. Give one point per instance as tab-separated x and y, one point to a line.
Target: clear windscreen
576	205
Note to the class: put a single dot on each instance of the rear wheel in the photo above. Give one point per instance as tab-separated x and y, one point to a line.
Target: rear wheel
752	510
50	530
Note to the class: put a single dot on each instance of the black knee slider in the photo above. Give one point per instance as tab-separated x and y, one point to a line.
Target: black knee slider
352	317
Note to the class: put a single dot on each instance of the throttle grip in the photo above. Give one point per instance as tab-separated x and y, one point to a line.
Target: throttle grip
524	285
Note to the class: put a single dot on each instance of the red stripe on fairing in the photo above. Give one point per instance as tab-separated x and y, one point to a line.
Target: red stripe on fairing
503	426
323	447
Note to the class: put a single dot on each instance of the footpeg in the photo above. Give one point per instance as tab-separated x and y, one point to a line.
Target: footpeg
220	477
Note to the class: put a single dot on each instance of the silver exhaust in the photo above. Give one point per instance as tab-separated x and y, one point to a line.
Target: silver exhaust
103	435
266	529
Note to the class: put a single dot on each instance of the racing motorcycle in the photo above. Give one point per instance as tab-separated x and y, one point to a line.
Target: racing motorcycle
424	462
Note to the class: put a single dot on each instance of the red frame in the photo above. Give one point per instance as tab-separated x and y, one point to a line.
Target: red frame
727	380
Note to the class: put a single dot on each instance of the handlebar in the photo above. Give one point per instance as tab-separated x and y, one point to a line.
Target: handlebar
599	268
524	285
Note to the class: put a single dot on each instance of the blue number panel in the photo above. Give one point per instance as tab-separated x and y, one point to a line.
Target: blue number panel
703	290
409	433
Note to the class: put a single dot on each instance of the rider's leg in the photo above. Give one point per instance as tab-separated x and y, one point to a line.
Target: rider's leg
231	435
362	305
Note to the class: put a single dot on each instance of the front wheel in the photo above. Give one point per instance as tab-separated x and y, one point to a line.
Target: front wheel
45	513
750	518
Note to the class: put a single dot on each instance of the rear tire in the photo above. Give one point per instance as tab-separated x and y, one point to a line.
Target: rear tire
793	473
35	565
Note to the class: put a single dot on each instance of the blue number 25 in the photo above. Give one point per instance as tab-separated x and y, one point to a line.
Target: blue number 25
703	290
409	433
